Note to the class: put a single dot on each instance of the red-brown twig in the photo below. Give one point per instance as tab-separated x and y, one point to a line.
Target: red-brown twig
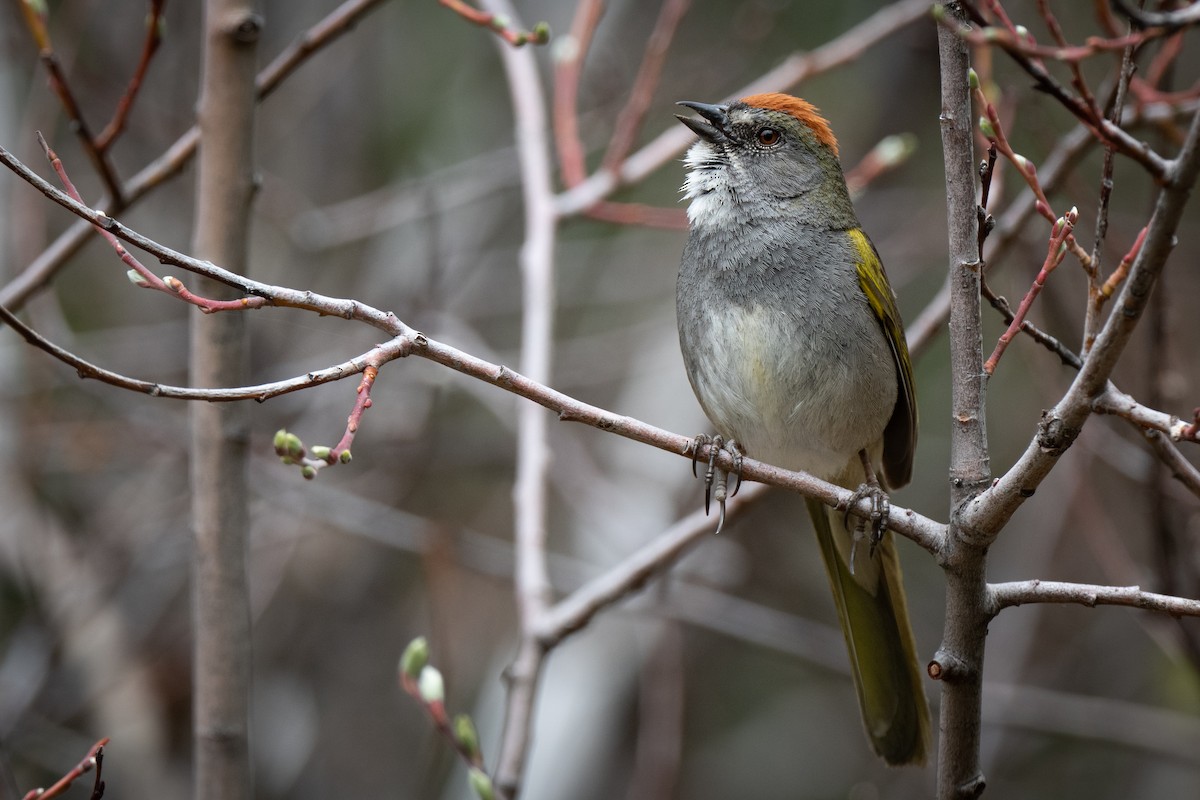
1119	274
1060	39
994	131
150	45
361	403
35	20
1054	256
567	69
1105	130
629	121
93	760
539	35
1026	45
140	274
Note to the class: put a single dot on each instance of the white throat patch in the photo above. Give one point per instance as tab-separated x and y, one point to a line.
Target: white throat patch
707	187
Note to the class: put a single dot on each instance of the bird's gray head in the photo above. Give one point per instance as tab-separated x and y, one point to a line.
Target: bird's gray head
764	156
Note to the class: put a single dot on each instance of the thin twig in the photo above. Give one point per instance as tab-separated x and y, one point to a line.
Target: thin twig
500	24
1055	252
112	130
140	274
1092	313
43	269
1016	593
1061	425
629	121
92	761
35	20
568	67
389	351
1135	149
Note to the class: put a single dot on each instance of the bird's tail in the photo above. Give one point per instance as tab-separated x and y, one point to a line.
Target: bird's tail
883	655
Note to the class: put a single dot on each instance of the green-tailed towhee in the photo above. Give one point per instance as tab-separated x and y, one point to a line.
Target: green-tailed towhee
795	349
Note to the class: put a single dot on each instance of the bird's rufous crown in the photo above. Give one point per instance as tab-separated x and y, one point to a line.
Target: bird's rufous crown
802	110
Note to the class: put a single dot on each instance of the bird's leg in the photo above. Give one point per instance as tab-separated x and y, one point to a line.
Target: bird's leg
716	479
880	508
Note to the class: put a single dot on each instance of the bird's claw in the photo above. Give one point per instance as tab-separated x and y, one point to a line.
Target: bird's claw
715	479
878	517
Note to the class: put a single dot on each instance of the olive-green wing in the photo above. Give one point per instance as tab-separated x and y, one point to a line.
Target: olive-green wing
900	435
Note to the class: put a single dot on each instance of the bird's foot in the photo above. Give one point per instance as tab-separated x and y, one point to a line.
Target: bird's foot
881	508
715	479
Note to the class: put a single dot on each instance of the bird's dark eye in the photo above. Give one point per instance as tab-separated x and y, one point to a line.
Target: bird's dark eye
768	137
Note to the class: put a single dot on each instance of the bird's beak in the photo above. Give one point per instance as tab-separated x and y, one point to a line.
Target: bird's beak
717	115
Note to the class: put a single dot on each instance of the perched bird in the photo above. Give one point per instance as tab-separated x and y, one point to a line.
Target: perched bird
796	352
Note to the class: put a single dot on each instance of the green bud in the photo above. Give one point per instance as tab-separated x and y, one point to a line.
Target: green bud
37	6
938	11
135	278
415	657
308	471
1022	31
466	735
500	22
344	457
293	445
541	33
320	451
973	78
280	441
481	783
985	127
431	685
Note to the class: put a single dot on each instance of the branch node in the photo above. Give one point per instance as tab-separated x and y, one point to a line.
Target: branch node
946	666
1054	435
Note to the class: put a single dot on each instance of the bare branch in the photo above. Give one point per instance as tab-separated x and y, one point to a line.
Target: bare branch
383	353
180	153
1113	401
1137	150
1017	593
1180	467
1061	425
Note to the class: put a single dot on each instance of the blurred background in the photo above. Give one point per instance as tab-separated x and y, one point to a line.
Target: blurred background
389	175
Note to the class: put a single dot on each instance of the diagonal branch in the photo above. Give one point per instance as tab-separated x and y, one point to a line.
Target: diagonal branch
1059	427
